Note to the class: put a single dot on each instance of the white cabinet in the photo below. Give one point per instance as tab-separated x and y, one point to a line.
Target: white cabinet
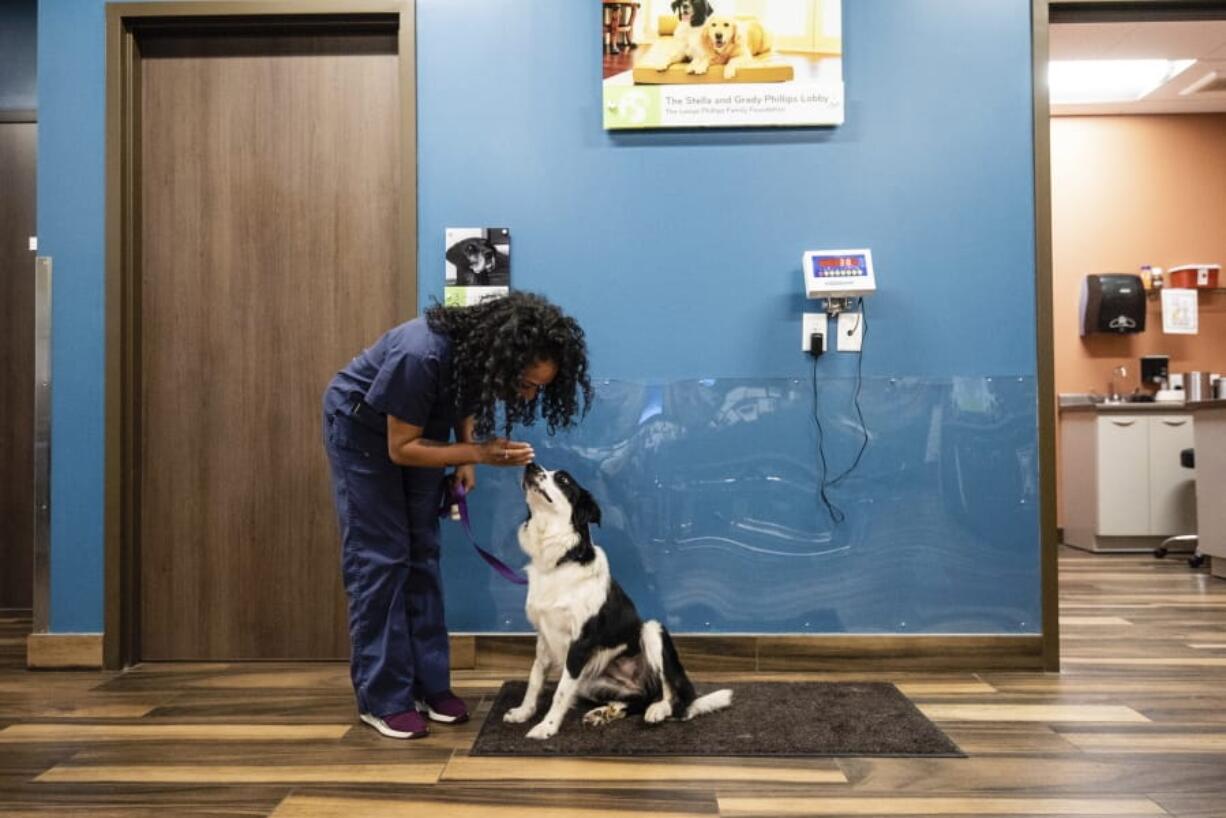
1172	488
1123	476
1122	485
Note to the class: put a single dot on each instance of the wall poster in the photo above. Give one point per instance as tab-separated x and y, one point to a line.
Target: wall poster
722	63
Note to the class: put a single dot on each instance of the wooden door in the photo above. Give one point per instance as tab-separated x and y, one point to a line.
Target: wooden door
17	197
269	256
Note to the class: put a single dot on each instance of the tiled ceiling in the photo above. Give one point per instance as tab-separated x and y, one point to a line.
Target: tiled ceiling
1199	89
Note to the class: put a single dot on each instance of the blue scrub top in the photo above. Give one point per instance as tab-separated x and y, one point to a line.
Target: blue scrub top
406	374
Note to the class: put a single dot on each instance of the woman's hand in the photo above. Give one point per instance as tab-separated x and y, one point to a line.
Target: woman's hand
466	476
503	452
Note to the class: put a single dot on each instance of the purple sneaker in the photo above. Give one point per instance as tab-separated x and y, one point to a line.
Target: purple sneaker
446	707
408	724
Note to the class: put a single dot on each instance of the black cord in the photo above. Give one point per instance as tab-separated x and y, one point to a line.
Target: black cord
836	513
859	384
859	315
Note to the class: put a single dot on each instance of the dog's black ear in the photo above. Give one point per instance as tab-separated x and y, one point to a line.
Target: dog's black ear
586	510
455	254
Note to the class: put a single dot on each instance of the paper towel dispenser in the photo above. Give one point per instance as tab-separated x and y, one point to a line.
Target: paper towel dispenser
1112	303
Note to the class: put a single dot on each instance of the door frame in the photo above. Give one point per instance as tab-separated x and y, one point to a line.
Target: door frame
121	534
1045	362
1066	11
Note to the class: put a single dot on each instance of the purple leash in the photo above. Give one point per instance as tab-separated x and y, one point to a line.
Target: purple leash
453	499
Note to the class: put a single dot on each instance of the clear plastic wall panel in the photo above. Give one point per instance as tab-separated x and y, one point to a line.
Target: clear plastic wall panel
713	518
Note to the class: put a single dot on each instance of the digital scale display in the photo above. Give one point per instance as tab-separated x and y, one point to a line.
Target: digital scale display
838	273
840	266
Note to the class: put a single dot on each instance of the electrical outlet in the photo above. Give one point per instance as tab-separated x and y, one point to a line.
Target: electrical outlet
851	332
813	322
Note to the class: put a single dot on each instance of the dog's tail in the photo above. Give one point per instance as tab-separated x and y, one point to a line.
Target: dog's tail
709	703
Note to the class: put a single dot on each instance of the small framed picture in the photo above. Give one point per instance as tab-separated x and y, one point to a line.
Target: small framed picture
478	264
1180	314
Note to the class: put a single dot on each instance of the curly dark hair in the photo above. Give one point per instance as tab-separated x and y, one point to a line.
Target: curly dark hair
495	340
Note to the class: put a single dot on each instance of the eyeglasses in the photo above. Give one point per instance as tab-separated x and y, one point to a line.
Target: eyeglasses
526	385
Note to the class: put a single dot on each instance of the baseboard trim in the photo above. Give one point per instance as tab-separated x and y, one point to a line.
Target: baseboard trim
793	653
64	651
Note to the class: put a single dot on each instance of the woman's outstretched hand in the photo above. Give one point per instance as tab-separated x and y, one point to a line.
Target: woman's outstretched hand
503	452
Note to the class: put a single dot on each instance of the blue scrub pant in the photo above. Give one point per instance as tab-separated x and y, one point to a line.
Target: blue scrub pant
390	561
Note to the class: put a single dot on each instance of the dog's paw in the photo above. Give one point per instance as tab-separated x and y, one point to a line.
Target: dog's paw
698	67
729	72
600	716
518	715
543	731
658	712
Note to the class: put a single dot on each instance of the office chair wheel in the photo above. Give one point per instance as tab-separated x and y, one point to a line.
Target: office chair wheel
1196	561
1160	552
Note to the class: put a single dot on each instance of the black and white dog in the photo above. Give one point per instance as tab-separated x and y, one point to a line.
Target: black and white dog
585	624
686	42
478	263
694	12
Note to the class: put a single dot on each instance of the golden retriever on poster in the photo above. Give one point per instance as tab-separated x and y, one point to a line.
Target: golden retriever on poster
730	42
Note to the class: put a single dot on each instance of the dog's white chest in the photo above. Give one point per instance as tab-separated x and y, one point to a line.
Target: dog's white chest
560	601
551	608
556	630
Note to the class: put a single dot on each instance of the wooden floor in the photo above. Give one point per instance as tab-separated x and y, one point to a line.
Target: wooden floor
1134	726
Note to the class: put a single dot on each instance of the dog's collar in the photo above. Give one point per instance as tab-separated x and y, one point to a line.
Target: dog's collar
581	552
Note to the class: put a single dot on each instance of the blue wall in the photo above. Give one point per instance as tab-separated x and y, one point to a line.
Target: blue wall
71	221
933	170
18	44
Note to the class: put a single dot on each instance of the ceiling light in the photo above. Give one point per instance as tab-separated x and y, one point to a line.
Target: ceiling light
1074	82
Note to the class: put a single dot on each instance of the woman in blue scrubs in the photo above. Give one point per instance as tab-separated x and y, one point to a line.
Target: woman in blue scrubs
388	422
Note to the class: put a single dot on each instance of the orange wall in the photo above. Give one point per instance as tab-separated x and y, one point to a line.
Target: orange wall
1127	191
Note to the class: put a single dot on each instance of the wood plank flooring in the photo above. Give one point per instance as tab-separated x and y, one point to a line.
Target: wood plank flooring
1134	726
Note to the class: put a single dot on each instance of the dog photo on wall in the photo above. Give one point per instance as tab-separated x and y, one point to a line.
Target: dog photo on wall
478	264
727	63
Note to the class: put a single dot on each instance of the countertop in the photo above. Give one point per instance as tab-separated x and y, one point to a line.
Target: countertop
1134	408
1218	403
